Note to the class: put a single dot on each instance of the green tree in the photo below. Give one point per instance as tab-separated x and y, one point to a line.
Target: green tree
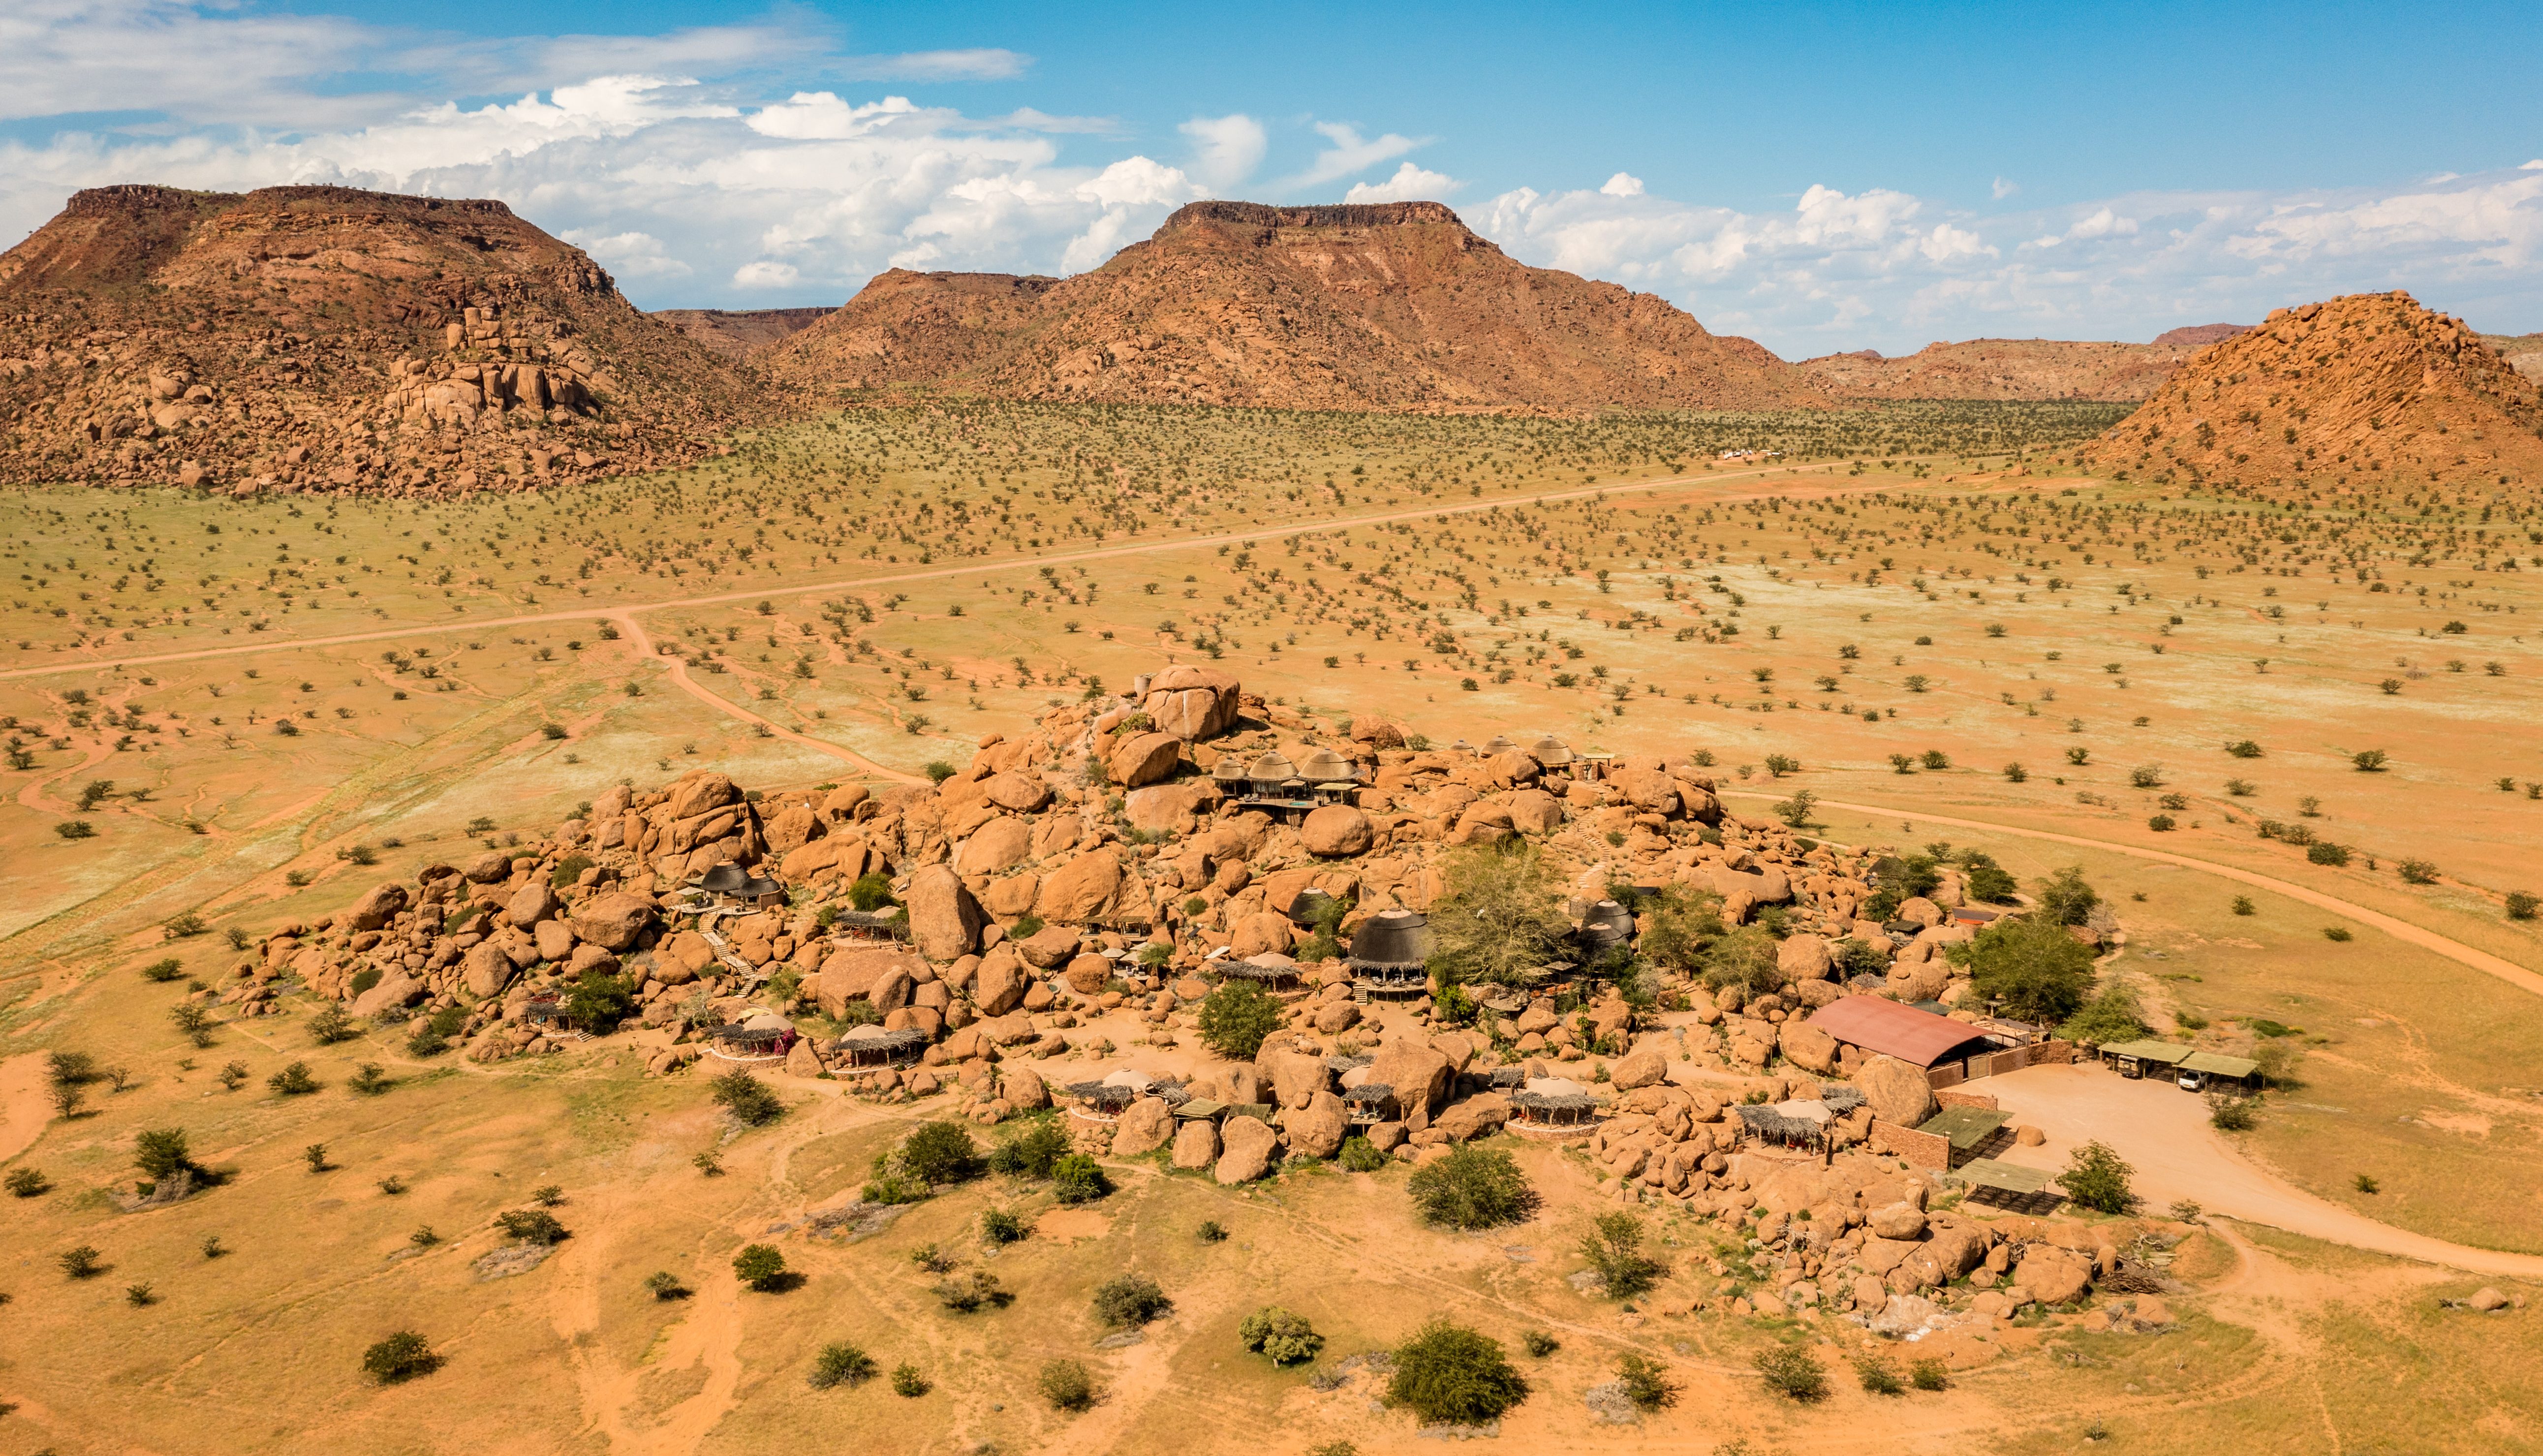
761	1268
1066	1385
2031	968
1985	879
1685	924
1076	1177
161	1153
1237	1016
1646	1381
1449	1375
2064	897
599	1003
1472	1187
2098	1178
1282	1338
2112	1016
1500	916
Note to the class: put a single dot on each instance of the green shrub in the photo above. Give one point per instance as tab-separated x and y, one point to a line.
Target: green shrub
871	893
2111	1016
2523	906
840	1363
1126	1301
745	1098
761	1268
1237	1016
1280	1336
939	1153
1472	1187
27	1183
1985	879
1360	1155
168	968
1075	1179
1879	1377
399	1359
2064	897
2039	972
1929	1374
1066	1386
1449	1375
1791	1372
1032	1152
599	1003
1615	1248
2097	1178
161	1153
966	1293
568	870
1646	1381
1539	1342
906	1380
2324	851
293	1081
2231	1114
998	1226
332	1025
1210	1232
531	1226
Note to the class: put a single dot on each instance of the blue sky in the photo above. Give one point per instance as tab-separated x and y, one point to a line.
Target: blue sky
1819	178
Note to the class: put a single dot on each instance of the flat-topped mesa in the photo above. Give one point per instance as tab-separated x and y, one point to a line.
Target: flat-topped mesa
1376	306
330	337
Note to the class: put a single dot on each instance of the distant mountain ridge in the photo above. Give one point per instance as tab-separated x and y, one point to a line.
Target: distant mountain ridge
2016	368
737	333
1394	305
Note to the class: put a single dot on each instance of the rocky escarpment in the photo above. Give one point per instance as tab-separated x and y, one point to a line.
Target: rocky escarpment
312	338
1386	306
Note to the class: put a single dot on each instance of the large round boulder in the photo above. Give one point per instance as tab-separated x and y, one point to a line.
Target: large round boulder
612	920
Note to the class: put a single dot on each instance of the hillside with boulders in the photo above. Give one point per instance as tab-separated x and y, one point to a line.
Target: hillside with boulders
300	337
737	334
2015	368
1386	306
2366	393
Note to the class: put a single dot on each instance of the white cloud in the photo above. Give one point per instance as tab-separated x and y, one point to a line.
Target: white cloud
765	275
1349	153
1622	184
1410	184
2003	187
1226	149
628	255
1891	270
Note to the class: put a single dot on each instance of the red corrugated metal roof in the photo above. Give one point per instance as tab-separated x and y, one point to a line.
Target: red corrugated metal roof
1892	1028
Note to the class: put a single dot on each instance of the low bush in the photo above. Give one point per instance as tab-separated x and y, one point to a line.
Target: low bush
1077	1179
1282	1338
1447	1374
1791	1372
1647	1382
1237	1016
763	1269
840	1363
1615	1248
1126	1301
532	1226
1065	1385
1360	1155
1472	1187
399	1357
746	1098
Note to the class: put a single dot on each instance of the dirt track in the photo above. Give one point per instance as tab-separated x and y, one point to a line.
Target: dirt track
2162	1131
932	573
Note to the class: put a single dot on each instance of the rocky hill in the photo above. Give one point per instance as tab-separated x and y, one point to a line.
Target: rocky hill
1389	306
2015	368
735	334
2366	389
326	338
2522	351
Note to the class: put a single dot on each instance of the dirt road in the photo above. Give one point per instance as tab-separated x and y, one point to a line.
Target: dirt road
2401	930
2162	1131
932	574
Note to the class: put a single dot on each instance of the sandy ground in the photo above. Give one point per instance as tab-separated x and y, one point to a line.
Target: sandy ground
2401	930
2162	1131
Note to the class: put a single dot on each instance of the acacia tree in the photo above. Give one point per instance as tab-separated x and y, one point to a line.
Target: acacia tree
1500	917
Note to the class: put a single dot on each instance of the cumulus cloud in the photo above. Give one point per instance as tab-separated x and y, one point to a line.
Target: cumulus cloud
1410	184
1226	149
1622	184
1891	270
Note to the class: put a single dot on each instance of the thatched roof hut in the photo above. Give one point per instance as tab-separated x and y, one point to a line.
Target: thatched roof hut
1391	952
1269	969
1497	745
1607	924
873	1046
1551	751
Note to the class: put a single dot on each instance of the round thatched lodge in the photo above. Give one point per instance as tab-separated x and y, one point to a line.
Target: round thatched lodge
1553	1104
761	1037
1390	953
1271	971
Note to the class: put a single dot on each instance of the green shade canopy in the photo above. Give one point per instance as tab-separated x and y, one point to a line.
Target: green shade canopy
2166	1053
2010	1178
1965	1127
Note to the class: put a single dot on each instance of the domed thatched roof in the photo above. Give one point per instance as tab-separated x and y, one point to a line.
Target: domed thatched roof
1272	767
1552	751
1325	766
1607	924
1498	743
1393	937
1229	771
